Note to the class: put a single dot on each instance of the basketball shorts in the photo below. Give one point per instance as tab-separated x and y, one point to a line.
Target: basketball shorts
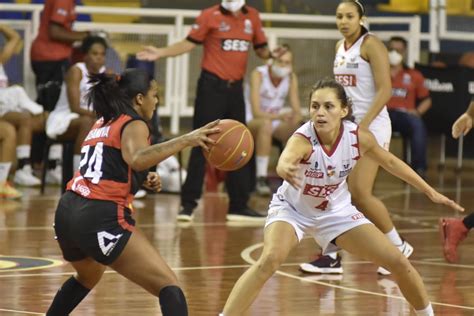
91	228
324	228
381	128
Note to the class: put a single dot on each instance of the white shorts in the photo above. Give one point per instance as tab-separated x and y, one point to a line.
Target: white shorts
58	122
324	229
382	131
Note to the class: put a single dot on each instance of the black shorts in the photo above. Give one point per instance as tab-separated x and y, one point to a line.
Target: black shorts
92	228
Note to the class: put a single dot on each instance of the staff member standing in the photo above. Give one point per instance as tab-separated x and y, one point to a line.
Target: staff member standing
226	31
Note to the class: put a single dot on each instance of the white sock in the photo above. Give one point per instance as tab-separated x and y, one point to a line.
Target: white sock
76	161
262	166
394	237
4	170
427	311
55	152
332	255
23	151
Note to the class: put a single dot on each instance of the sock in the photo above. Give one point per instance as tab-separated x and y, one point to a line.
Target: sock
172	301
427	311
23	155
469	221
262	166
4	170
67	298
76	161
394	237
55	152
332	255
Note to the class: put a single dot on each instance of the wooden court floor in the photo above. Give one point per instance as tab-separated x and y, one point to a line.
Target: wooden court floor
209	255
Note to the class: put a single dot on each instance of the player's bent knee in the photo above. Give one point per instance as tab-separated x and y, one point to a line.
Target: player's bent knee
269	263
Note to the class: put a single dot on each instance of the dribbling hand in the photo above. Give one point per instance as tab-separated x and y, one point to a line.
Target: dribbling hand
462	125
439	198
149	53
153	182
198	137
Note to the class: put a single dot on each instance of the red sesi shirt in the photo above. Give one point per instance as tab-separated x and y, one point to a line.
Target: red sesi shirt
227	39
43	47
408	86
103	174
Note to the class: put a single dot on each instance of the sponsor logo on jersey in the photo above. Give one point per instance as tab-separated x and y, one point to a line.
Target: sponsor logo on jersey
352	65
399	92
235	45
314	173
320	191
107	241
437	86
357	216
344	173
224	27
331	170
248	26
195	26
406	79
348	80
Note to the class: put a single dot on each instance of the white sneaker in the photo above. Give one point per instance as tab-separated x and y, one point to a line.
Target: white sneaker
25	177
54	176
140	194
406	249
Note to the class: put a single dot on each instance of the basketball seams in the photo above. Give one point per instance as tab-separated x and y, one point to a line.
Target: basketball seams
220	138
236	148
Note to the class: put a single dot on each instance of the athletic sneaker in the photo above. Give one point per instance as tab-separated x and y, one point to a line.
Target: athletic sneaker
185	214
54	176
7	191
405	248
452	232
323	264
262	187
140	194
25	177
245	215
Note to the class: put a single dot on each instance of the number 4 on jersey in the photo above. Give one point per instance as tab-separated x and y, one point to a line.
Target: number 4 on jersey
323	205
94	162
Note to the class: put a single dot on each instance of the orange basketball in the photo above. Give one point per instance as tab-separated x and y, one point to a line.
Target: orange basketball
233	148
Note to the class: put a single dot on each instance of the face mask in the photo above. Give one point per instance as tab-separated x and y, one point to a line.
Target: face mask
395	58
233	6
280	72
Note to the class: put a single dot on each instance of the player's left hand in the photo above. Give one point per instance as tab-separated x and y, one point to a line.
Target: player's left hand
441	199
153	182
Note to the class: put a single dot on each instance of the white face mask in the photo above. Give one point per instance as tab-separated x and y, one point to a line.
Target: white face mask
233	6
280	72
395	58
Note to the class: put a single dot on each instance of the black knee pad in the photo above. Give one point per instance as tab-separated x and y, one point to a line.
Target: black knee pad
172	301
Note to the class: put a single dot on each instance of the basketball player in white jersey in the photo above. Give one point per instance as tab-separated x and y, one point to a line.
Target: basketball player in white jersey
361	65
270	85
314	199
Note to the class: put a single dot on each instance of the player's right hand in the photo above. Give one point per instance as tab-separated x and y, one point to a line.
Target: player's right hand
289	172
199	137
150	53
462	125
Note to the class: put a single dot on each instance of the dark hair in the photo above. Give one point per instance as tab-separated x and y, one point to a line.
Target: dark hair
358	5
112	95
399	39
91	40
331	83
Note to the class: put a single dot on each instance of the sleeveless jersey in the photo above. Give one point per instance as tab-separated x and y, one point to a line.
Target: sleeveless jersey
355	74
84	85
272	98
3	77
103	174
324	187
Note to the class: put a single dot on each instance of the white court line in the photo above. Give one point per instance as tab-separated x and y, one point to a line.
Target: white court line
19	312
245	254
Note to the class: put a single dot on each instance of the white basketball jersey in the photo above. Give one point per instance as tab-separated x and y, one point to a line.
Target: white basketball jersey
3	77
84	86
324	187
355	74
272	98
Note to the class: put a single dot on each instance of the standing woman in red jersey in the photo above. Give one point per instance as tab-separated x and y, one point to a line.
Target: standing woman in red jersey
93	222
361	65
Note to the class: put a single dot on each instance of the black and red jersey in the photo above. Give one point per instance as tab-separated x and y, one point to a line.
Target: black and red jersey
103	174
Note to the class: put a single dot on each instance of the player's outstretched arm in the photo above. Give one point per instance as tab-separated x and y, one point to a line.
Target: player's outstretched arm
464	123
398	168
152	53
139	155
297	148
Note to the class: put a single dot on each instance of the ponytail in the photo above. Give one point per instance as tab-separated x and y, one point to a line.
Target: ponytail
112	95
